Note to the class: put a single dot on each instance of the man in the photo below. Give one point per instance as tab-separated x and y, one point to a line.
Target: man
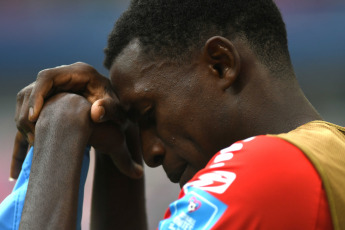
196	78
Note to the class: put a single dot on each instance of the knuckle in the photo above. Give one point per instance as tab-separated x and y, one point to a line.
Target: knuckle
84	66
79	63
20	95
25	92
42	74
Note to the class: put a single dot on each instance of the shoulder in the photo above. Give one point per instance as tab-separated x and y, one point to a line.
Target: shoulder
251	159
257	183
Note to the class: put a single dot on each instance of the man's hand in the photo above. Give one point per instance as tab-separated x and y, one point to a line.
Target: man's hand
62	132
25	134
79	78
85	80
122	145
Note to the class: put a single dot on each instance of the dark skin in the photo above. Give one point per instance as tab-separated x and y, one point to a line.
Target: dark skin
55	173
45	171
186	113
218	115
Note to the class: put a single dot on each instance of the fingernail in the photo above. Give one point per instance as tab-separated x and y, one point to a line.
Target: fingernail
11	179
102	112
31	112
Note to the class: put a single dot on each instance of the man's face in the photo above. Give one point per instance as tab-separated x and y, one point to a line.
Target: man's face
179	109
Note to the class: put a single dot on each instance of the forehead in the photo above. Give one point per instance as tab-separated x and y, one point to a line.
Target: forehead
126	72
134	75
125	65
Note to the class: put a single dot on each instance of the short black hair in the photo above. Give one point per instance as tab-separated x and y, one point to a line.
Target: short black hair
175	28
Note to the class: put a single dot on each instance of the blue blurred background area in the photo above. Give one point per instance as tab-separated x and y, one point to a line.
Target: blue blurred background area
39	34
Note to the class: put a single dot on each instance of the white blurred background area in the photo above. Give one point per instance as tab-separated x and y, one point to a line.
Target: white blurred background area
38	34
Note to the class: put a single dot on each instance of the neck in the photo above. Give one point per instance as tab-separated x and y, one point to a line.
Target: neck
276	106
267	103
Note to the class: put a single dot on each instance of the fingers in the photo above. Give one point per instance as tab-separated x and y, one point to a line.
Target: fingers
127	160
19	152
124	162
98	111
37	99
46	81
79	78
24	126
25	135
107	109
108	138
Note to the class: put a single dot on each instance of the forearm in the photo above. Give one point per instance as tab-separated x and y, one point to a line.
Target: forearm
52	195
118	201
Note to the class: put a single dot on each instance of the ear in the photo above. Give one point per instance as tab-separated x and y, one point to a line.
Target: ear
223	60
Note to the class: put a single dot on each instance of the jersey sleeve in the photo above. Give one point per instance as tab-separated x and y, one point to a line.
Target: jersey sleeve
12	206
259	183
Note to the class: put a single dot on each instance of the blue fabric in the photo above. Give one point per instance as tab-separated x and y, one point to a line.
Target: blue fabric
11	208
197	209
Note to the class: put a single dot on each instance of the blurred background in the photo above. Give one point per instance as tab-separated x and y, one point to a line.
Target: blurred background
38	34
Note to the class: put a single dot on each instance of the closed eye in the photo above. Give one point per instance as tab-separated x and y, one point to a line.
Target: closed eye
147	119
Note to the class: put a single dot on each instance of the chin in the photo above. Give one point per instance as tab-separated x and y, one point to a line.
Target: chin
182	183
187	176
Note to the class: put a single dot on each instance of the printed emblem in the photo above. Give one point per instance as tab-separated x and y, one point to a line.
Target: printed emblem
184	216
194	204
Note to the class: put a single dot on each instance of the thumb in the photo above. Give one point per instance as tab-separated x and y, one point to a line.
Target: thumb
126	164
107	109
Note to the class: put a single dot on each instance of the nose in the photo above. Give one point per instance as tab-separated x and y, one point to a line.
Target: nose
152	147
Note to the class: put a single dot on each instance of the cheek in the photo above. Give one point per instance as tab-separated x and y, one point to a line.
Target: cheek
182	137
186	124
209	130
174	123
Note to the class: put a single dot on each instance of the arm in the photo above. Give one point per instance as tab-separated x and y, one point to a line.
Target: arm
79	78
62	132
52	195
118	200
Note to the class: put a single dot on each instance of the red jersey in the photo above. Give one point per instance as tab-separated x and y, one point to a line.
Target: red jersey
259	183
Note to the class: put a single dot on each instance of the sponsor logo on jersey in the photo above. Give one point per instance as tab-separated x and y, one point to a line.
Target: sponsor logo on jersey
196	210
194	204
199	209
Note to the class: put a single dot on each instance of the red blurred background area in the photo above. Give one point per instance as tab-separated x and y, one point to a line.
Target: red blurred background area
39	34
